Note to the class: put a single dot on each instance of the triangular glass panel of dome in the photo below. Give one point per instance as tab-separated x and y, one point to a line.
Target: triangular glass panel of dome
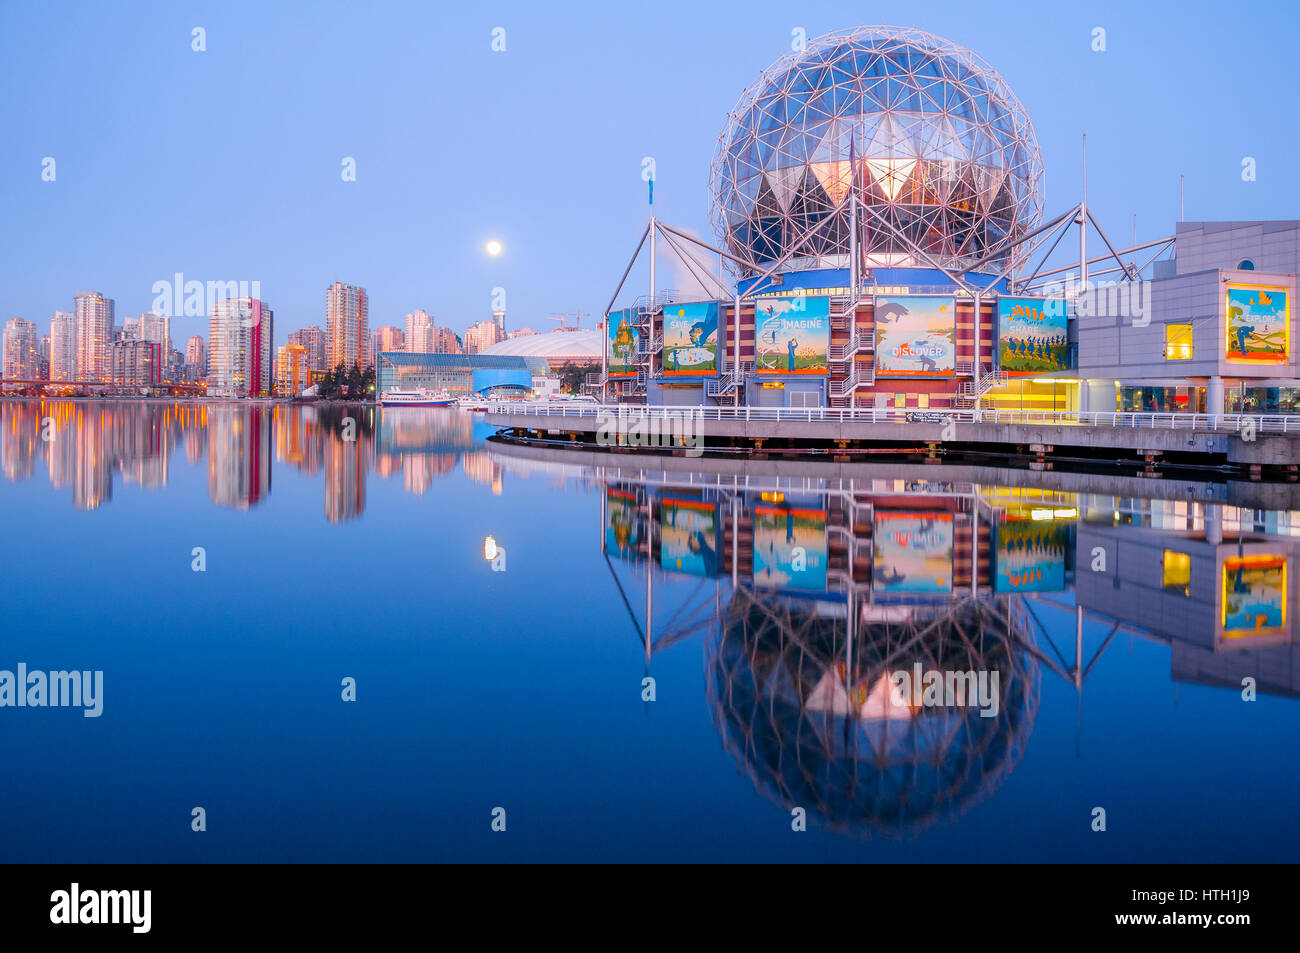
819	76
939	140
832	139
969	137
890	174
822	105
784	183
988	180
915	129
800	82
770	146
940	179
929	67
929	94
986	151
841	76
889	139
735	212
834	178
766	204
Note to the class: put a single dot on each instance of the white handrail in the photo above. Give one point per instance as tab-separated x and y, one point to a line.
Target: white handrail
1262	423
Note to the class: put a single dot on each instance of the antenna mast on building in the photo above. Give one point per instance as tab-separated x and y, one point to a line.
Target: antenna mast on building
1083	221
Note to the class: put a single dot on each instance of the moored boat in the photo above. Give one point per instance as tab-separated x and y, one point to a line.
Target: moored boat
397	397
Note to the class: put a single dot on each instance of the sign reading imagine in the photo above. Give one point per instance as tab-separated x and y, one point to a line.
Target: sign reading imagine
691	338
916	336
790	548
792	335
688	536
1258	324
1032	335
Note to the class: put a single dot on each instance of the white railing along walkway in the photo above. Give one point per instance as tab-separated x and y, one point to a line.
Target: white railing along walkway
1229	423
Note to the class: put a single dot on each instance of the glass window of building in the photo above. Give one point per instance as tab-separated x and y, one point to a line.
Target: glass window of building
1162	400
1178	572
1178	342
1262	400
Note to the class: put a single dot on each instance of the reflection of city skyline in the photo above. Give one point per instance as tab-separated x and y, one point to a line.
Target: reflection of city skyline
85	444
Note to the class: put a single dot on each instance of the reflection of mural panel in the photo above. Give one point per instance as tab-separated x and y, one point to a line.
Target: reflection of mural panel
621	343
792	335
1254	596
691	338
1258	324
688	540
1032	335
1031	555
916	335
912	553
624	524
790	548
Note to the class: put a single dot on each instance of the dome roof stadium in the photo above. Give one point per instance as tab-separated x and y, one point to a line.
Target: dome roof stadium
940	153
575	346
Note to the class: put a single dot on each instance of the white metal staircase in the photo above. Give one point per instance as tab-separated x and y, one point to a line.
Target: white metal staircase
728	381
843	358
970	391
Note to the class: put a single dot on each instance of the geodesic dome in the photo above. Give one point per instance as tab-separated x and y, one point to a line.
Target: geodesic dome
941	154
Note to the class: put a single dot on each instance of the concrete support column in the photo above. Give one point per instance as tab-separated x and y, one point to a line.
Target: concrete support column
1213	524
1214	396
1085	403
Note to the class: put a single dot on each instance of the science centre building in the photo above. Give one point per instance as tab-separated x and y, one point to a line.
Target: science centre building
878	199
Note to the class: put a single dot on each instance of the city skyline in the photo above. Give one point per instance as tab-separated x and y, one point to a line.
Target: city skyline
238	344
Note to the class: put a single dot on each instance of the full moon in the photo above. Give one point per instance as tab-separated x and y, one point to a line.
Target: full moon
493	248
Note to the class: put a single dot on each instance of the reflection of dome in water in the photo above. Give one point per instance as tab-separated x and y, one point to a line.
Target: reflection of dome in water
858	764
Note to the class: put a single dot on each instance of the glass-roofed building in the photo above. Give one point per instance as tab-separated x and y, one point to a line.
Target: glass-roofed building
486	375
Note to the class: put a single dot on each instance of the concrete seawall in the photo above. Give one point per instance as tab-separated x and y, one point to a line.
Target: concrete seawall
1273	450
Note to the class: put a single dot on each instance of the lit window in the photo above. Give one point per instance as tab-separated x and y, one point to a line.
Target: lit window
1178	571
900	400
923	401
1178	342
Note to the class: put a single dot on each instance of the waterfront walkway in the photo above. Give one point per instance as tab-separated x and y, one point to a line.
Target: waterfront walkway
1241	439
1226	423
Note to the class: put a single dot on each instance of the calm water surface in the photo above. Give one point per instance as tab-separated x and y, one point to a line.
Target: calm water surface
770	604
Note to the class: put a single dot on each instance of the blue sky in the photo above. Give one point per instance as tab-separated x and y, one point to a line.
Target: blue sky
225	164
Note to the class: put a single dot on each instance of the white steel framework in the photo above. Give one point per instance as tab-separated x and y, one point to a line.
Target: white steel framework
929	140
